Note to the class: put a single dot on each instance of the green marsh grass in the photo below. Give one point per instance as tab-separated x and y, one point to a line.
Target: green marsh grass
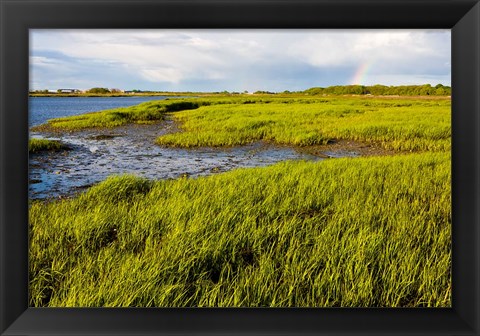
397	124
38	145
353	232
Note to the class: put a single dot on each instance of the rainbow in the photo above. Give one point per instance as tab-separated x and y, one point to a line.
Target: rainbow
360	74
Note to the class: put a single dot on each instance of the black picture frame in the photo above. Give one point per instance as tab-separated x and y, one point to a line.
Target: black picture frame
18	16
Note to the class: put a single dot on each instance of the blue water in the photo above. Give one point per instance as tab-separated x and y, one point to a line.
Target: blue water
43	108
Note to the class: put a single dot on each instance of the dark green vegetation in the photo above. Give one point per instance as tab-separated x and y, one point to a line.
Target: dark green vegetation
39	145
353	232
382	90
99	90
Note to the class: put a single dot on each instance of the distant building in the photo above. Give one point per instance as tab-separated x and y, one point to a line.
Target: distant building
68	91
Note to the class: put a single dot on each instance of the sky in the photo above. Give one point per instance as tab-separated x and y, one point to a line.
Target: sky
236	60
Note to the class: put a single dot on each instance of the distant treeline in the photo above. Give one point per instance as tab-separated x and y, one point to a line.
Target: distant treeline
376	90
383	90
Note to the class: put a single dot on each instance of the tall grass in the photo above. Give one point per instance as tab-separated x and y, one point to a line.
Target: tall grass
363	232
408	125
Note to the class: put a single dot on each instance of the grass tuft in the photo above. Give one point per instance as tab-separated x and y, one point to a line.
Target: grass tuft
118	188
40	145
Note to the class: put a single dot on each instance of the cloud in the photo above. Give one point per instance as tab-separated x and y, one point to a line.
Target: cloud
40	61
205	60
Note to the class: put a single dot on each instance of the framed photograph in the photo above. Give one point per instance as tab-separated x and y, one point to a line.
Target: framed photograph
239	167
